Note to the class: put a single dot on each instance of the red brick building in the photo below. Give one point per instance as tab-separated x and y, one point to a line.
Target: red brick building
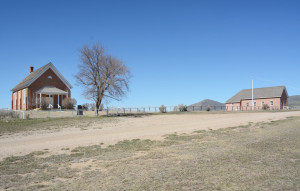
274	97
44	83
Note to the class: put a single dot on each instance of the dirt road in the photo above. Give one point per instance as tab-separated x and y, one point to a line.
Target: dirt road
146	127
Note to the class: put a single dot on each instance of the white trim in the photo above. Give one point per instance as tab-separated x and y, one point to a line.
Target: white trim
19	98
24	97
15	98
55	71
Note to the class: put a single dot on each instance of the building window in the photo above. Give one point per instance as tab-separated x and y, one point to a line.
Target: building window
255	104
49	95
232	104
271	103
24	97
247	104
262	103
50	77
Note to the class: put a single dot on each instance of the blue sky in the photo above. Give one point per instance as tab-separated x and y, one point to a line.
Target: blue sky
178	51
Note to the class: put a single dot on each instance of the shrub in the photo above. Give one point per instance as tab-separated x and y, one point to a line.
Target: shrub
182	107
162	108
44	103
208	108
266	106
69	103
9	115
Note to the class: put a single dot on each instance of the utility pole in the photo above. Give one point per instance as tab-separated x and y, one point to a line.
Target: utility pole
252	96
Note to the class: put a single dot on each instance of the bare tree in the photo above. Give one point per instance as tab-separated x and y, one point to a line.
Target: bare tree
102	76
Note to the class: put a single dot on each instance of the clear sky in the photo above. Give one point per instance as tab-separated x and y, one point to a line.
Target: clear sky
178	51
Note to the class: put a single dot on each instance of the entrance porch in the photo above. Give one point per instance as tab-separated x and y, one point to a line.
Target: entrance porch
52	95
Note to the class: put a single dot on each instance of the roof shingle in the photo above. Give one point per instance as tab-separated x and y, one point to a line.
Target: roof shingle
25	81
258	93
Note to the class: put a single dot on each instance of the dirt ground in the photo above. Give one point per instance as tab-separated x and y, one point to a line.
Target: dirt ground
126	128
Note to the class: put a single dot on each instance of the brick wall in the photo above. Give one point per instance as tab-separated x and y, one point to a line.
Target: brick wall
42	81
259	103
233	107
277	104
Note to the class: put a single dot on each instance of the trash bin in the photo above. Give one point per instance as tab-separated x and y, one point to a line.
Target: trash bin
79	110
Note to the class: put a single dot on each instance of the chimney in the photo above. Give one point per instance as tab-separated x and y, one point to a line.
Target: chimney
31	69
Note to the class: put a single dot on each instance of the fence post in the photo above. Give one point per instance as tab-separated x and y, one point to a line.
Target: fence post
49	114
72	113
23	114
107	111
193	108
130	110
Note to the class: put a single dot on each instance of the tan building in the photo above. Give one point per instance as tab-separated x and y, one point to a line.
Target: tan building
274	97
44	83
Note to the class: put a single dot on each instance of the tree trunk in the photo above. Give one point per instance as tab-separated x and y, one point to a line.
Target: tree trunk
98	102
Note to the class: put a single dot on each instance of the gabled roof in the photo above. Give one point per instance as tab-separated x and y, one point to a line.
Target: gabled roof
36	74
258	93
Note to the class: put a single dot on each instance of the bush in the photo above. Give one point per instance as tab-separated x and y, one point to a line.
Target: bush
69	103
44	103
182	107
162	109
266	106
208	108
9	115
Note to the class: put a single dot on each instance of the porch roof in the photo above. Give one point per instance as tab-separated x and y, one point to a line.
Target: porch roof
51	91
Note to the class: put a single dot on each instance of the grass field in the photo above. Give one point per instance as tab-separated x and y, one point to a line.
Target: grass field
264	156
20	125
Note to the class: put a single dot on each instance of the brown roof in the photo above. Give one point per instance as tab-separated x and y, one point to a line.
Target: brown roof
27	81
258	93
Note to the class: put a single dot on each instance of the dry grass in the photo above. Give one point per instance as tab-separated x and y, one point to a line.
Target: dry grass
262	156
20	125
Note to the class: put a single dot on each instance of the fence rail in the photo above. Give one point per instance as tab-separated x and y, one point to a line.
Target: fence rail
110	111
124	110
